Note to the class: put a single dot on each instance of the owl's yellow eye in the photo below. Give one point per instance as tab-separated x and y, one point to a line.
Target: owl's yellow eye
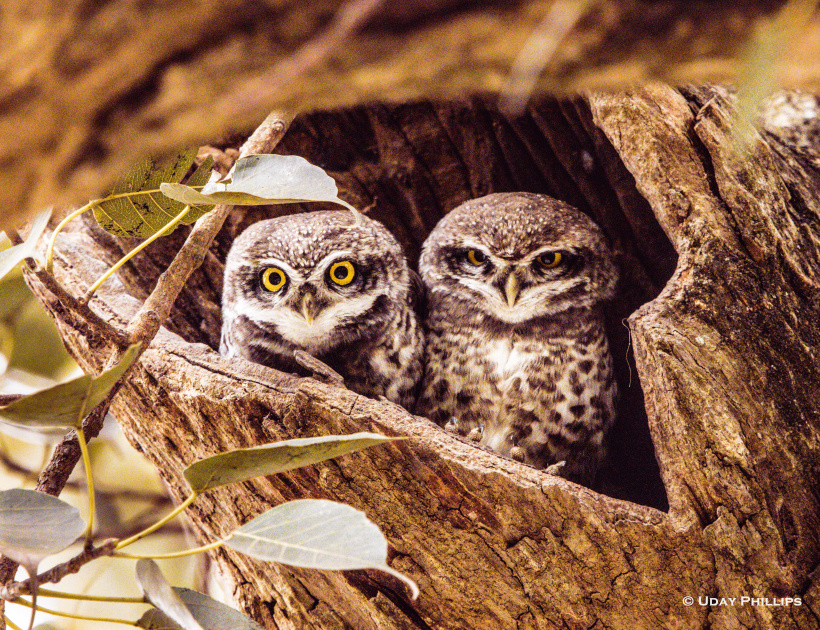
550	259
476	257
342	272
274	279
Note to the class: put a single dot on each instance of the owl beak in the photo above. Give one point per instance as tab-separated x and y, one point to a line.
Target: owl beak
309	308
511	289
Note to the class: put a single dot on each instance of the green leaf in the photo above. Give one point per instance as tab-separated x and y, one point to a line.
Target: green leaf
66	405
316	534
246	463
210	614
214	615
13	256
160	594
263	180
153	619
144	215
34	525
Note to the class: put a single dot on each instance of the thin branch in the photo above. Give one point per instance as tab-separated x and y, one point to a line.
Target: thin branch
67	453
157	307
154	312
14	237
537	52
350	17
58	572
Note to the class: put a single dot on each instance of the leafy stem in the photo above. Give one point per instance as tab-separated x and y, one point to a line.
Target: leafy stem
89	478
59	228
43	592
159	233
175	554
60	613
11	624
90	206
150	530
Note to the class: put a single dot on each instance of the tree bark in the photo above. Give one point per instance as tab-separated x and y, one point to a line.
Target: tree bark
712	489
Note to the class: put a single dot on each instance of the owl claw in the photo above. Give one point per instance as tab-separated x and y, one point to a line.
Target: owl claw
320	370
555	469
517	453
452	425
476	434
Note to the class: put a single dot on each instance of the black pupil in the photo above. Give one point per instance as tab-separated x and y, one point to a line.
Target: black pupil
547	259
479	256
275	277
341	272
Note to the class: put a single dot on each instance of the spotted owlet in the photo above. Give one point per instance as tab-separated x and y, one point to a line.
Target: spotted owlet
337	289
516	354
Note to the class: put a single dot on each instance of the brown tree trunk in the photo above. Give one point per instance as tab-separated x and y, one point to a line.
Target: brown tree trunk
720	258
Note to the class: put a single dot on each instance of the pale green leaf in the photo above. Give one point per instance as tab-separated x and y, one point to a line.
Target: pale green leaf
316	534
247	463
34	525
153	619
264	179
214	615
13	256
66	404
144	215
210	614
160	594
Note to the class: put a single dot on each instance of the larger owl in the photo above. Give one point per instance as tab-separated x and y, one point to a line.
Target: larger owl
516	352
337	288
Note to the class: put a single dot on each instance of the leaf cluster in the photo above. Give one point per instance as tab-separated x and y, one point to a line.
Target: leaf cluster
149	203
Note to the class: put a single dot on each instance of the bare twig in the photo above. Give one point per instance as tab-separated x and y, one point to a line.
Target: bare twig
14	236
538	50
348	20
58	572
157	307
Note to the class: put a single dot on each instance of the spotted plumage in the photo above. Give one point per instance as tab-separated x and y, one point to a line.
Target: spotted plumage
337	289
516	353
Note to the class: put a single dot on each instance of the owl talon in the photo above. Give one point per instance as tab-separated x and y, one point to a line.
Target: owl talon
517	453
321	371
476	434
452	425
555	469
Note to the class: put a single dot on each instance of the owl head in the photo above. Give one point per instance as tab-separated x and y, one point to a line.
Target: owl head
517	256
314	281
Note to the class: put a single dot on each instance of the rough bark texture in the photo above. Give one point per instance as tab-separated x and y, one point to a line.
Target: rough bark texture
721	270
91	87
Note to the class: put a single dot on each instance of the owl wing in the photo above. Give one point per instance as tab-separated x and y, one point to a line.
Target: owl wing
418	295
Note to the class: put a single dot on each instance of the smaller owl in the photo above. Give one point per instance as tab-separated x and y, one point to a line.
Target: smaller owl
337	289
517	355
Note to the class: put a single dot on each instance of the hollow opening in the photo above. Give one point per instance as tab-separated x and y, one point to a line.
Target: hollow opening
407	165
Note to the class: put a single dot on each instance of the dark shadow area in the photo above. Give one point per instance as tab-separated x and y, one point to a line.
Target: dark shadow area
408	165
